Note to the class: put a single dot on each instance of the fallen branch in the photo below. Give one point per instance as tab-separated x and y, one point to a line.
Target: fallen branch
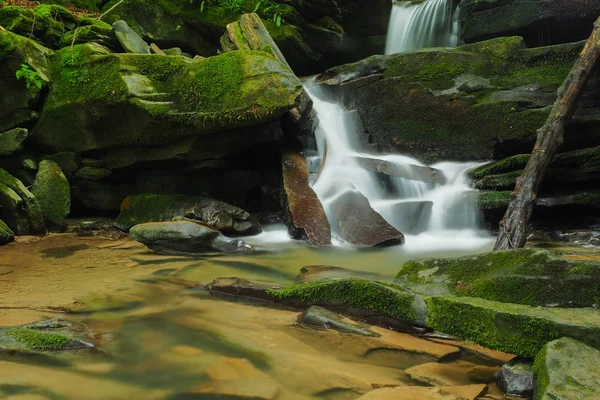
1	28
109	10
513	227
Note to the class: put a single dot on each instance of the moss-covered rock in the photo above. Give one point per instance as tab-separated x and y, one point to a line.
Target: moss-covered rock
19	207
159	208
567	369
512	328
42	336
46	23
12	141
6	234
91	30
356	296
460	104
51	189
524	276
100	100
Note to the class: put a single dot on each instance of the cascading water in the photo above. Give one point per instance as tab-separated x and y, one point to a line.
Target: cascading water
420	24
431	215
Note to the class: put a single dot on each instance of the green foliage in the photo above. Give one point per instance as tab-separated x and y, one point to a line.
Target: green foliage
32	78
266	8
233	6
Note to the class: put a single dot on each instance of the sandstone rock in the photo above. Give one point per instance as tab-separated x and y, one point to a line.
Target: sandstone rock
524	276
567	369
303	211
320	317
459	374
409	393
129	39
516	378
226	218
12	141
185	237
51	189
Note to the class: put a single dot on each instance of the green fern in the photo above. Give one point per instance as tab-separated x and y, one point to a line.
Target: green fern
32	78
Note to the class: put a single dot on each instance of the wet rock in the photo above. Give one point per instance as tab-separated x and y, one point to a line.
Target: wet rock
567	369
51	189
511	328
524	276
412	216
313	273
437	374
468	392
410	172
356	297
320	317
242	287
6	234
45	336
362	226
235	378
516	378
303	212
185	237
20	209
159	208
409	393
129	39
12	141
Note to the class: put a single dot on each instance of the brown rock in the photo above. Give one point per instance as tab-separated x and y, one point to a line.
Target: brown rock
469	392
411	172
361	225
156	50
409	393
303	211
242	287
456	374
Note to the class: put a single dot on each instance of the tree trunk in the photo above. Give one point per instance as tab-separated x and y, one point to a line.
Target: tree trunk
513	227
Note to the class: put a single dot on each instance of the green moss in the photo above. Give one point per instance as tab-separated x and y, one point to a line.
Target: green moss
493	200
6	234
382	299
39	340
53	193
509	164
90	5
512	328
524	276
505	181
540	372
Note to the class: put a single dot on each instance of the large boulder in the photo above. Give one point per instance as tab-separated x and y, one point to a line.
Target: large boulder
51	189
523	276
540	22
511	328
185	237
18	206
6	234
479	101
218	215
567	369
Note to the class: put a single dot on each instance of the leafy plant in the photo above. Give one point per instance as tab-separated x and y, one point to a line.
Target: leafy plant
268	8
231	5
32	78
202	4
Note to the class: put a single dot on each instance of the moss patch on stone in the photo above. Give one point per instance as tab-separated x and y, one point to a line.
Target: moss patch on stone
34	339
53	192
525	276
356	294
512	328
6	234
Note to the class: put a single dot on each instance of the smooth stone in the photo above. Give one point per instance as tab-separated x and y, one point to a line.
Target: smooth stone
185	237
409	393
458	374
515	378
129	39
320	317
12	141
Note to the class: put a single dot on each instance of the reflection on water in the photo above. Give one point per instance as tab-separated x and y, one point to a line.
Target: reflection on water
160	335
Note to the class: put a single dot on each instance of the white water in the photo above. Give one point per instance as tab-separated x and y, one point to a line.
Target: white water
421	24
452	221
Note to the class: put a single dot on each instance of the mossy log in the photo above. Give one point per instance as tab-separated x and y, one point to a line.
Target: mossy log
513	227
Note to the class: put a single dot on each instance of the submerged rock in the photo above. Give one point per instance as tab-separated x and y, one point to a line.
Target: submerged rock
242	288
185	237
216	214
524	276
47	335
51	188
515	378
567	369
320	317
410	172
303	212
313	273
6	234
511	328
410	393
362	226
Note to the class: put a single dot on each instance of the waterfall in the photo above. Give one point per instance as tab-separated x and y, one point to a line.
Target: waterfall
431	215
421	24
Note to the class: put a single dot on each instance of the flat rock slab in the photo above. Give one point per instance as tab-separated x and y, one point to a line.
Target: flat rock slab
304	214
512	328
362	226
409	171
187	238
320	317
458	374
409	393
567	369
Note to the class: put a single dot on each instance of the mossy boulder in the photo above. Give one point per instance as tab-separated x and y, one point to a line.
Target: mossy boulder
12	141
19	207
567	369
540	22
357	297
91	30
525	276
47	335
51	189
46	23
100	101
511	328
472	102
146	207
6	234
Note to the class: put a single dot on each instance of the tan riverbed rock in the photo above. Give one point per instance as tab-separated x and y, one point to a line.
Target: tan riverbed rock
455	374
